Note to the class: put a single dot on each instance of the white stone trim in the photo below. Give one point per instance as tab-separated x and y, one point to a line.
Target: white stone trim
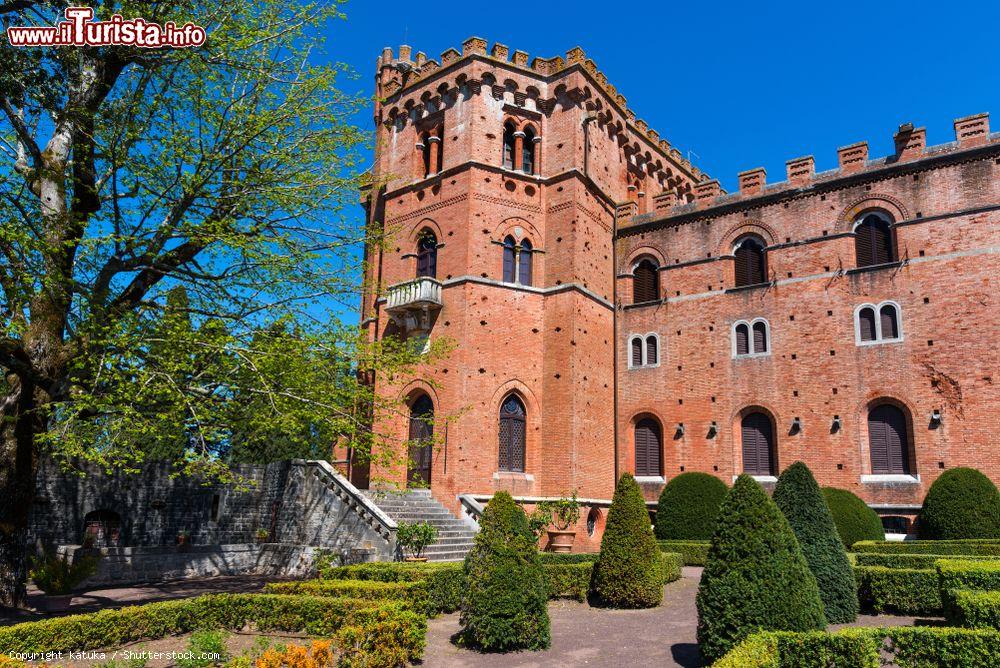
644	350
650	478
750	324
877	308
899	478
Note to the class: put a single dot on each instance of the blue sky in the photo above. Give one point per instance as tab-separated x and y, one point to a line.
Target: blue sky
740	85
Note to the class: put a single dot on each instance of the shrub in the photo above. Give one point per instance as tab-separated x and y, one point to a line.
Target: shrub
756	577
629	571
561	558
977	609
413	592
688	507
505	599
962	503
854	519
957	574
799	498
416	536
909	560
672	563
983	548
904	591
205	648
318	655
56	576
568	580
693	553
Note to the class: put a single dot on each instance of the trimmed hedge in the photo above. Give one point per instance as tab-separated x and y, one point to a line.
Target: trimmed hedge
672	563
798	497
567	558
414	592
756	576
694	553
688	506
976	609
629	572
854	519
909	560
909	647
962	503
946	547
904	591
959	574
568	580
369	633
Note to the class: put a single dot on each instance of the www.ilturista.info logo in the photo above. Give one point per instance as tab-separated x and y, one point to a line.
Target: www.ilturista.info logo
79	29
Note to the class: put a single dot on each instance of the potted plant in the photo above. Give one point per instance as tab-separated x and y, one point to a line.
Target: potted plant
559	517
262	535
414	538
183	539
57	578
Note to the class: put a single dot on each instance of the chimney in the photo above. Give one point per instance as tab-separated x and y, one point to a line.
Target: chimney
474	45
706	191
499	51
521	58
800	170
972	130
910	141
421	58
853	158
404	52
752	181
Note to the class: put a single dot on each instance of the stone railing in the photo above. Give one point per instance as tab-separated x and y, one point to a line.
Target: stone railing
419	293
361	505
472	508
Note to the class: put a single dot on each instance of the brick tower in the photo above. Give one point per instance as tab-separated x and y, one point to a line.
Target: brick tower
499	183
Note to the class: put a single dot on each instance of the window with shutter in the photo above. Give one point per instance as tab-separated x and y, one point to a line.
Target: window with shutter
750	262
524	263
528	152
742	339
636	351
866	324
508	145
759	338
645	282
512	434
890	323
757	434
508	260
873	241
427	254
888	440
651	351
647	448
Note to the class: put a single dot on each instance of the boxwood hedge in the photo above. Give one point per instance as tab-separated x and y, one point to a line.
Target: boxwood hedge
976	609
854	519
904	591
688	506
693	553
947	547
962	503
910	560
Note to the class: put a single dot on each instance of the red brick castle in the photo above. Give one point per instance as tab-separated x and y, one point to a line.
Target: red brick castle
614	310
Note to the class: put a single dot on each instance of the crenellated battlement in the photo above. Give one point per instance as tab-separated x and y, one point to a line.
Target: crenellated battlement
910	143
401	71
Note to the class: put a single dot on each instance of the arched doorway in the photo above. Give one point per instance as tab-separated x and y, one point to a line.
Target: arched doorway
421	437
102	528
757	435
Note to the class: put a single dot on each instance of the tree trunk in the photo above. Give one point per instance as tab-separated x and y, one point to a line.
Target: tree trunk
17	488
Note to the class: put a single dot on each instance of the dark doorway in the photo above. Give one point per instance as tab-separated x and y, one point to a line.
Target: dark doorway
421	438
102	528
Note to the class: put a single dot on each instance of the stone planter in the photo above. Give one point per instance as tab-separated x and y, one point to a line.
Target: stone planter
561	541
56	603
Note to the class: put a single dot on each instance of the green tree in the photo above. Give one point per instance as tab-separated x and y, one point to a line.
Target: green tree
628	572
504	606
961	503
127	172
755	578
688	507
798	497
854	519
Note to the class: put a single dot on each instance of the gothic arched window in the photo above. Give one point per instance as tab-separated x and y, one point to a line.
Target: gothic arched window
513	428
427	254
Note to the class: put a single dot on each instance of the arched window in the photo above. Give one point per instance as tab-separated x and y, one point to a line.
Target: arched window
888	440
636	359
757	435
421	437
647	448
509	142
751	338
651	350
873	240
424	149
645	282
751	261
427	254
102	528
512	434
878	323
509	259
524	263
528	152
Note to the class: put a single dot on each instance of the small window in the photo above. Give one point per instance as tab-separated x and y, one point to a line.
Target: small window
516	261
427	254
889	440
759	338
878	323
751	261
524	263
528	151
648	444
636	352
645	282
644	351
873	242
751	338
651	350
509	259
509	142
742	339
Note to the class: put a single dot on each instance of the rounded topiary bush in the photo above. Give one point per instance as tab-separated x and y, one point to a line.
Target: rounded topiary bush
962	503
799	499
505	598
628	572
854	519
756	577
688	507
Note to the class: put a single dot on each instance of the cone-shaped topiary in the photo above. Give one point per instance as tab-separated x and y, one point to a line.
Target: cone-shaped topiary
688	506
755	577
629	572
962	503
800	500
505	599
854	519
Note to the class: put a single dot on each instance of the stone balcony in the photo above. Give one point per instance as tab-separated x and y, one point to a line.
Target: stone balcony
411	303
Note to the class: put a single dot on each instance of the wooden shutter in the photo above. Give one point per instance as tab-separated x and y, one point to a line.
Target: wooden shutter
742	340
651	352
888	440
637	351
749	263
758	444
647	448
427	256
890	323
881	243
645	283
508	260
759	337
524	264
866	324
873	242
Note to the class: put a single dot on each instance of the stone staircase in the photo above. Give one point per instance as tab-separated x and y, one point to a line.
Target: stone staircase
417	505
